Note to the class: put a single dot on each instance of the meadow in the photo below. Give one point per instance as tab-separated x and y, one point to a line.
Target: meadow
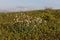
30	25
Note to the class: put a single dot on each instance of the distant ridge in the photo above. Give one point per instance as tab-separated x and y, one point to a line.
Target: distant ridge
17	9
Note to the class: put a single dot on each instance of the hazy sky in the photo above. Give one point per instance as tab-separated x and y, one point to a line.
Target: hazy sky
6	4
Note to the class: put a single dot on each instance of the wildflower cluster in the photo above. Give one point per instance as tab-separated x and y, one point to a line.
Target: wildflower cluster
34	25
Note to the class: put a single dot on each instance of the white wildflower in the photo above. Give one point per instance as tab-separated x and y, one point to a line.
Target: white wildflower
30	21
16	16
26	20
34	25
14	19
38	18
17	20
45	22
40	21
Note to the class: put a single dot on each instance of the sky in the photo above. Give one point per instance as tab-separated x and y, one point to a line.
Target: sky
37	4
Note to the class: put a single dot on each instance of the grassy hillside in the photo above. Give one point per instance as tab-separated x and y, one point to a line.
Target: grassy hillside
32	25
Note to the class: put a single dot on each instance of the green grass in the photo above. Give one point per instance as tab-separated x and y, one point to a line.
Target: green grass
30	25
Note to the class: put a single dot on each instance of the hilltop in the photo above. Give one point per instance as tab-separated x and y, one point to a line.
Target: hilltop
30	25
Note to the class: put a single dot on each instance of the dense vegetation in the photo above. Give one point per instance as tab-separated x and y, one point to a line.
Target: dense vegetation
32	25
